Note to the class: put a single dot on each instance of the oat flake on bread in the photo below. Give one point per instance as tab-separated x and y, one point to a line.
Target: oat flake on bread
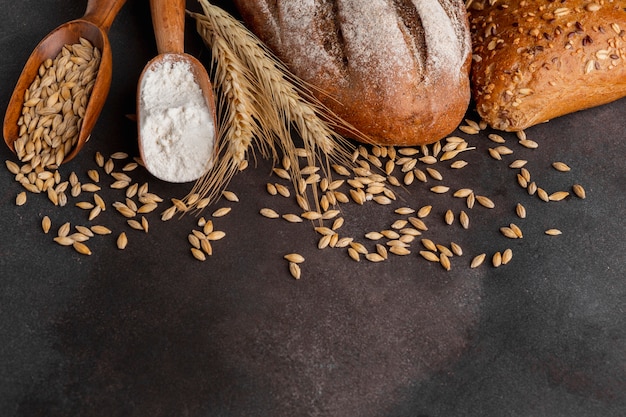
534	60
397	71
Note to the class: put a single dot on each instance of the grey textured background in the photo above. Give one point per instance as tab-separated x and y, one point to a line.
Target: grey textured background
151	332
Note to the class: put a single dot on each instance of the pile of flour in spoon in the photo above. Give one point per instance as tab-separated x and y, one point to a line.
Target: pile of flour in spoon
177	126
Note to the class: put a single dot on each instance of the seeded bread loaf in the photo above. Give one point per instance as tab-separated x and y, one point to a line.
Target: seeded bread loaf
534	60
397	71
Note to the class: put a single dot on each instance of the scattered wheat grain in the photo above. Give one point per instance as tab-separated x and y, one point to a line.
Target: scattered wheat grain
507	255
20	200
561	166
100	230
81	248
485	201
198	254
558	195
122	241
440	189
496	259
221	212
478	260
579	191
295	270
46	223
135	224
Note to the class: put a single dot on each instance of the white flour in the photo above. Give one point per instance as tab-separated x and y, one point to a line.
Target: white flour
177	127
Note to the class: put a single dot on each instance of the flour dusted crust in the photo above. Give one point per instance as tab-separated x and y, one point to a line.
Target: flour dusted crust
534	60
398	70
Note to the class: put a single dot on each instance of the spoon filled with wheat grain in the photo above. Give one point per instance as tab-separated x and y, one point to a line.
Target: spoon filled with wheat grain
62	88
175	103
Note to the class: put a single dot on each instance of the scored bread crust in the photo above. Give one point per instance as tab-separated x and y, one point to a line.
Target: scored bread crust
534	60
398	71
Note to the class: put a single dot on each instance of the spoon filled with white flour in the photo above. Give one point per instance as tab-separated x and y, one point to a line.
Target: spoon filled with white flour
175	103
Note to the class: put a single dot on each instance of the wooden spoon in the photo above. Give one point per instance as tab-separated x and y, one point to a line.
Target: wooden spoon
168	20
93	26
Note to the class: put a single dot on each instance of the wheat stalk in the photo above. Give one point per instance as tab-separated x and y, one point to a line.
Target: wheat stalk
238	119
262	100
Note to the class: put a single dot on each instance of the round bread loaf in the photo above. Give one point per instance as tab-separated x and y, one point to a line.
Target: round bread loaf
534	60
398	71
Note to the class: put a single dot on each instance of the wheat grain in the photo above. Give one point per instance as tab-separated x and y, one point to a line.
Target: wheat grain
561	166
122	241
399	224
429	256
221	212
20	200
198	254
463	193
418	224
135	224
399	250
456	249
354	254
478	260
294	257
449	217
63	240
292	218
558	195
496	259
374	235
343	242
358	247
85	205
404	210
440	189
46	224
216	235
193	240
81	248
508	232
207	227
100	230
94	212
485	201
295	270
64	230
374	257
518	163
131	166
90	187
507	255
444	250
445	262
579	191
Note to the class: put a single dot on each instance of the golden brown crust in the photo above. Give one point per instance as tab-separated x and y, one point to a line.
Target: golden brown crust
534	60
408	87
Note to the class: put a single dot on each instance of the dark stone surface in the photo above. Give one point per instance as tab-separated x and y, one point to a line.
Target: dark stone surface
151	332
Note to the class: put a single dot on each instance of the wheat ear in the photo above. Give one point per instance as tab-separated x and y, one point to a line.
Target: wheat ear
238	118
274	101
292	96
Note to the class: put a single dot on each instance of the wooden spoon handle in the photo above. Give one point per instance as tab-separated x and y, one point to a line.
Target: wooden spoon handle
168	20
102	12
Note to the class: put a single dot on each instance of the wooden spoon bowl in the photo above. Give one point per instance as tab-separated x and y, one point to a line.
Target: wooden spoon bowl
93	26
168	20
